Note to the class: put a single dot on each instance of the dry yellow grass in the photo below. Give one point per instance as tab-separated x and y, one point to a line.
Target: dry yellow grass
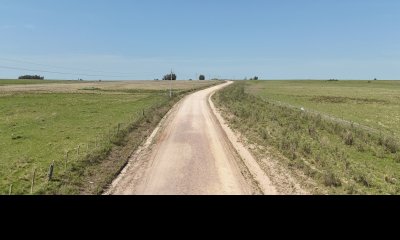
110	85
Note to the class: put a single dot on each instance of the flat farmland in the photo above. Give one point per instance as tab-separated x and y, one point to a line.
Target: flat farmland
337	137
88	129
8	86
375	104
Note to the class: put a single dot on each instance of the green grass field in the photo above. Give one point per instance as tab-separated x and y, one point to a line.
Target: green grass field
340	157
90	124
370	103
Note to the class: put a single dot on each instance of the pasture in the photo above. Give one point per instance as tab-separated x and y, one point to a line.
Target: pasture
343	136
89	130
375	104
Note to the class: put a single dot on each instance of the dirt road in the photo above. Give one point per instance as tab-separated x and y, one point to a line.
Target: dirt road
189	155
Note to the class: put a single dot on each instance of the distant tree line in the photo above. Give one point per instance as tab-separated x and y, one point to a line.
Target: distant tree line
36	77
254	78
170	77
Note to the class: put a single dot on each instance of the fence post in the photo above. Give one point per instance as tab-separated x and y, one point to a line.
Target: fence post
51	171
33	180
66	160
119	126
79	150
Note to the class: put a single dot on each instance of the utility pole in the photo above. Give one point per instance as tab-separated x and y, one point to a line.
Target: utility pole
170	86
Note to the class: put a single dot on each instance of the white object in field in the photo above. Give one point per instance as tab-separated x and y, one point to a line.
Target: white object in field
302	109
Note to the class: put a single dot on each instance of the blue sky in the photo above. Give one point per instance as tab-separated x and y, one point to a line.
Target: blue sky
144	39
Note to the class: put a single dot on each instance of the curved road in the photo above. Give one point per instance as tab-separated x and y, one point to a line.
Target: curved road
191	155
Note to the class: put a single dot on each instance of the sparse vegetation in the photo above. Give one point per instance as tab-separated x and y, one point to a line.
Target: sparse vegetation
341	156
91	89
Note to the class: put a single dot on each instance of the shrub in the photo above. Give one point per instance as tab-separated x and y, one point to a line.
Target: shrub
397	158
331	180
264	133
348	138
292	153
351	189
312	131
307	150
391	144
318	120
361	147
390	179
378	152
362	179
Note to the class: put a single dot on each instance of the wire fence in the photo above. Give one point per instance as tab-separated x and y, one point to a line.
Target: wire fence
330	117
40	176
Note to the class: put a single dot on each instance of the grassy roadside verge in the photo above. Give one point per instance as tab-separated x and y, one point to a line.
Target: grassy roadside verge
340	158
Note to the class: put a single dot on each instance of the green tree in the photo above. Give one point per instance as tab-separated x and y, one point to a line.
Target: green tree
170	77
35	77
